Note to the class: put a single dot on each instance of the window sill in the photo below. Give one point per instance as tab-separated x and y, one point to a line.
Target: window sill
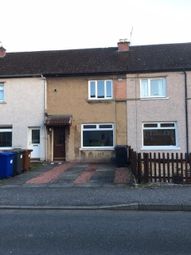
161	148
97	149
2	102
153	98
104	100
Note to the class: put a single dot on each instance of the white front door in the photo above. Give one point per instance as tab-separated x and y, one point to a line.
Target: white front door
34	142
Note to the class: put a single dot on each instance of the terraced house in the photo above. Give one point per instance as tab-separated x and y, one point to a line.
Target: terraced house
86	103
158	98
79	104
22	100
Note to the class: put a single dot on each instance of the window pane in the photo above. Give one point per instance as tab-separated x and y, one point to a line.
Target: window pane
100	89
92	89
35	136
167	124
89	126
157	87
1	92
162	87
108	89
157	137
144	88
5	139
97	138
105	126
150	125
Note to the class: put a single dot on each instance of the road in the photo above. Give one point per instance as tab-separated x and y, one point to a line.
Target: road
53	232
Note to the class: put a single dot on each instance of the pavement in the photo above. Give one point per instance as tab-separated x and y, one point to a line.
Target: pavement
74	185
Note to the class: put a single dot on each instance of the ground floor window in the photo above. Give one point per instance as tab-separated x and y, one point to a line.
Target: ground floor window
159	135
97	136
5	137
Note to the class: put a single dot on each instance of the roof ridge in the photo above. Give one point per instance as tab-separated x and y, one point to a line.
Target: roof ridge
61	50
161	44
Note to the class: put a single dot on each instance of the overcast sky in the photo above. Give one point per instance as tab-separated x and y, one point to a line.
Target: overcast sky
29	25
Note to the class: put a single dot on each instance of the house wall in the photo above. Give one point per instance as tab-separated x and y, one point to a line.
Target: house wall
171	108
23	108
70	96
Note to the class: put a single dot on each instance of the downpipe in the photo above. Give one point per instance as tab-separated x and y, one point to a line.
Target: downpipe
186	110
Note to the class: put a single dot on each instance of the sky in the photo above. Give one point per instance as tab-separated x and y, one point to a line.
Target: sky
33	25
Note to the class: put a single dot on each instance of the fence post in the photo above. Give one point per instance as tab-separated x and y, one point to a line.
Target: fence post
146	166
139	168
189	161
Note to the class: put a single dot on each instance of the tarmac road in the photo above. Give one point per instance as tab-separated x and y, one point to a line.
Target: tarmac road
25	232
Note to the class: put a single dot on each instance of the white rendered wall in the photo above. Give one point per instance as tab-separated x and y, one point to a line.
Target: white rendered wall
23	108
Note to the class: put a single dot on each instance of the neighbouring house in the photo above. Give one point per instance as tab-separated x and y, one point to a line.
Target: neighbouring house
158	98
22	104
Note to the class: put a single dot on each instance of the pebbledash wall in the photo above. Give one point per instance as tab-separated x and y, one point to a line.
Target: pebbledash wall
23	109
168	109
188	76
70	96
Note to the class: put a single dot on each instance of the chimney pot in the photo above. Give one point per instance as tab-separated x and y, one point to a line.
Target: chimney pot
123	45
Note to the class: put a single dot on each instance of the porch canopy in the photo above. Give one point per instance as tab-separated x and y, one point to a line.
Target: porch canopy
58	120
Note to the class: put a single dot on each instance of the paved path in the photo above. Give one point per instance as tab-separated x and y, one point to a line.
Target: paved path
73	174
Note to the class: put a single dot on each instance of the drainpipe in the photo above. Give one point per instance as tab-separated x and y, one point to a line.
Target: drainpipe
186	110
45	111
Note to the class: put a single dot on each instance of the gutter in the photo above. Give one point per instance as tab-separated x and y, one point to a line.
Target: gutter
186	110
84	74
20	75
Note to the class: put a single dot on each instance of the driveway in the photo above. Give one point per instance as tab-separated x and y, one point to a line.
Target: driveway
72	174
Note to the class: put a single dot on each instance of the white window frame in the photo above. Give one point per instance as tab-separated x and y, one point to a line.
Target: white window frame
97	127
162	147
106	97
7	129
2	89
149	88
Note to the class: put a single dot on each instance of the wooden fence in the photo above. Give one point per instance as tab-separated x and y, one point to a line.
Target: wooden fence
160	167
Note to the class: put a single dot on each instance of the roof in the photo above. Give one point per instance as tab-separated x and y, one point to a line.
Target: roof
64	62
156	58
147	58
58	120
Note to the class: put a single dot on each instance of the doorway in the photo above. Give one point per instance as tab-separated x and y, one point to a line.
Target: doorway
34	142
59	143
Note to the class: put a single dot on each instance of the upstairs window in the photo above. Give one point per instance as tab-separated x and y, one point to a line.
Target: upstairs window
100	89
1	92
153	87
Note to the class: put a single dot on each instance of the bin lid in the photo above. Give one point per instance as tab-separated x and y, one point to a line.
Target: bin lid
7	153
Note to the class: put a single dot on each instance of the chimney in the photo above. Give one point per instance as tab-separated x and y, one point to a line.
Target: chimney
2	52
123	45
